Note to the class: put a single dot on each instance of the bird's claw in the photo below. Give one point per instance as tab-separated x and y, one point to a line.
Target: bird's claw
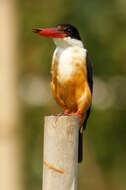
78	114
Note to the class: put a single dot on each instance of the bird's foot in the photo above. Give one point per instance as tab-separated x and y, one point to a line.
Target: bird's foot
78	114
59	114
67	113
63	113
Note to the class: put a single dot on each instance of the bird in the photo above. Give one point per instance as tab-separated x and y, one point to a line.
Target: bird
72	75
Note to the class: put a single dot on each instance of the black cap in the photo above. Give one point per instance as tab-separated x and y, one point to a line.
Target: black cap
70	30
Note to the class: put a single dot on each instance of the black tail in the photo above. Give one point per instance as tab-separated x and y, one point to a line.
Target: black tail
80	147
80	138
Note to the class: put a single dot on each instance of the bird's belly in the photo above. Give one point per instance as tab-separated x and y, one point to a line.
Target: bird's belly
65	96
65	72
69	70
68	87
68	77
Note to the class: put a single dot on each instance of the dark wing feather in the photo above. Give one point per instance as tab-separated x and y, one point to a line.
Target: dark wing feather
89	73
90	83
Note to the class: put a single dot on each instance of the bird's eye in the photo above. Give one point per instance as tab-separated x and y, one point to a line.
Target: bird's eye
59	28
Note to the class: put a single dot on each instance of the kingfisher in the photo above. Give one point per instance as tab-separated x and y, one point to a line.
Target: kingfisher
72	75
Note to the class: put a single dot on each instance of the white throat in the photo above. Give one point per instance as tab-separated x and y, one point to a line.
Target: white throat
69	54
67	42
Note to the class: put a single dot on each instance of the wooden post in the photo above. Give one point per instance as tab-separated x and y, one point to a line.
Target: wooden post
60	153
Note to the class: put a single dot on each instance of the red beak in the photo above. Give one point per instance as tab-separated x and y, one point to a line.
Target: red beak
50	33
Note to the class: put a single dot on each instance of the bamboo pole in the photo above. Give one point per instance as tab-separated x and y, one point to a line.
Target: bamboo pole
60	153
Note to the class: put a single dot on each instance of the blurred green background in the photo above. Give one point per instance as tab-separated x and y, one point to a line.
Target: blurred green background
102	26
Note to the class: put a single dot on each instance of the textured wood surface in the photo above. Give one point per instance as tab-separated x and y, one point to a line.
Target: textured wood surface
60	153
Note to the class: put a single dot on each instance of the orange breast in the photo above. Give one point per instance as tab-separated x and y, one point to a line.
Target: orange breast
69	92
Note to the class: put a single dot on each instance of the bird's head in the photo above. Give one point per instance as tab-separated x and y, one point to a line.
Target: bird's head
63	35
60	31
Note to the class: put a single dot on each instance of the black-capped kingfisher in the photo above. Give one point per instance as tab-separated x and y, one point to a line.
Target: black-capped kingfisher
72	77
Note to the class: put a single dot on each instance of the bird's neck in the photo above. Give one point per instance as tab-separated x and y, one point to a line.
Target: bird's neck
67	42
